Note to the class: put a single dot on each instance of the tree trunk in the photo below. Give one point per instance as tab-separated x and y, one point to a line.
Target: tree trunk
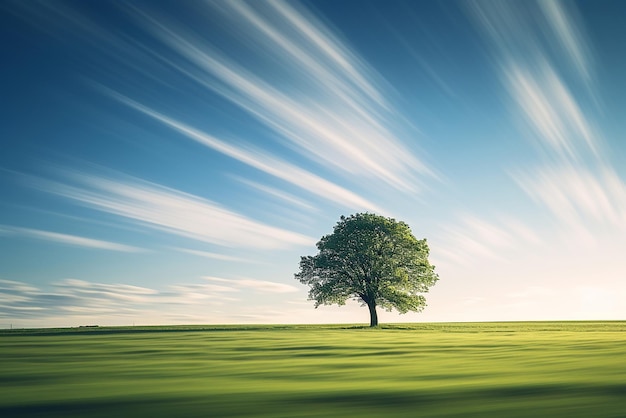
373	315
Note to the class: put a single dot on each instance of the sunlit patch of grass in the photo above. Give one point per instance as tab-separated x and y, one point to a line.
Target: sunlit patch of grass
568	369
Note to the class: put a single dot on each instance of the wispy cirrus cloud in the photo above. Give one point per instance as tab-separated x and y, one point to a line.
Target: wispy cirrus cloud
104	291
533	75
70	298
262	161
283	196
211	255
66	239
262	286
328	106
16	294
553	112
575	180
73	297
475	240
287	68
166	209
570	37
577	195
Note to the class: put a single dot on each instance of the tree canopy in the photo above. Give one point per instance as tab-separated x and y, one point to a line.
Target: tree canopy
373	259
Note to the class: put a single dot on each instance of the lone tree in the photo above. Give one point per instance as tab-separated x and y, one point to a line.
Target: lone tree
373	259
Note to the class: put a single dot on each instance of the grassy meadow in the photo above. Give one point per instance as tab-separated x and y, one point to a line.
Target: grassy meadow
535	369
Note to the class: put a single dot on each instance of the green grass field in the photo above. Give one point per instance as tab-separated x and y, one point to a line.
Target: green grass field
537	369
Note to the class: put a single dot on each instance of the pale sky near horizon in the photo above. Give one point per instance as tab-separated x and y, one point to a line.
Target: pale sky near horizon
169	162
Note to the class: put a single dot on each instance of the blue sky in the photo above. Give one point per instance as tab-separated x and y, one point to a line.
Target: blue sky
169	162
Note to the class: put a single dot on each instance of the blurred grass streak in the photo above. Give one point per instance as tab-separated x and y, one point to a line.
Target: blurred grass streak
513	369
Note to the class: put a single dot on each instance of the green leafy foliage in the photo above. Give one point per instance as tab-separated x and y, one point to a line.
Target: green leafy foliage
373	259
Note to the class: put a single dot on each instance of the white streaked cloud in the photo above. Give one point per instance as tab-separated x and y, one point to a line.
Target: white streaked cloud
264	162
327	107
569	36
308	86
262	286
320	36
213	256
284	196
525	31
117	291
96	302
67	239
172	211
13	287
336	69
552	112
577	195
477	240
190	293
535	77
79	298
575	180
